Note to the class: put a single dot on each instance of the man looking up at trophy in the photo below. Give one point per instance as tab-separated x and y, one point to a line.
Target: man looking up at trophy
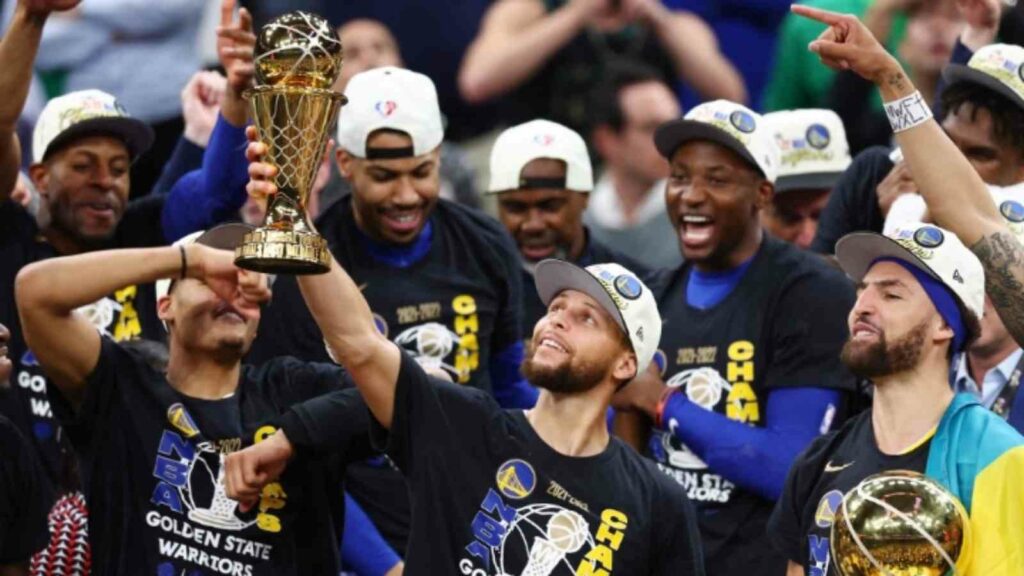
541	174
151	444
920	294
442	280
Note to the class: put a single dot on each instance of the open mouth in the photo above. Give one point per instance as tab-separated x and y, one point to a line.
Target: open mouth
403	221
695	231
99	209
537	251
863	331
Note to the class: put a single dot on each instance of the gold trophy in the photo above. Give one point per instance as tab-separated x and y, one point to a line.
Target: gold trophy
900	523
298	58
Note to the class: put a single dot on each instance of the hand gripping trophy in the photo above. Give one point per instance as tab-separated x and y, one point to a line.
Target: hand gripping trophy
298	58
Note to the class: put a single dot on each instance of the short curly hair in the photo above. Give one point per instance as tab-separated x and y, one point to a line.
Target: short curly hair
1007	116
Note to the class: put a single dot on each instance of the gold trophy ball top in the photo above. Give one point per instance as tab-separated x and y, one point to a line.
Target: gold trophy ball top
900	523
298	49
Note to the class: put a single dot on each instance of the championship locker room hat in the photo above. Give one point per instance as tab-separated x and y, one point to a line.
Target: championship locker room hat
998	67
1010	202
86	113
223	237
728	124
393	99
519	145
813	151
935	251
620	292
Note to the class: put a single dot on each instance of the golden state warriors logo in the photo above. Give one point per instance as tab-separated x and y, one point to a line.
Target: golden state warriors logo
628	286
825	515
929	237
818	137
743	121
1012	211
516	479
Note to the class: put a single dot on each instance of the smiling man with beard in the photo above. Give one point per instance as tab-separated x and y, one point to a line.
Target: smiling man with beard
541	174
442	280
748	370
495	491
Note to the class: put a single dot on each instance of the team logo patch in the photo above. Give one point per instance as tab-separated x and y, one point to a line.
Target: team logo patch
544	139
827	507
381	324
516	479
628	286
386	107
743	121
661	361
929	237
182	420
818	136
29	359
1012	211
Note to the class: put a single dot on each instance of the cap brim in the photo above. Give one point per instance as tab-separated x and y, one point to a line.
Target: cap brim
553	277
857	251
225	236
960	73
816	181
671	135
137	135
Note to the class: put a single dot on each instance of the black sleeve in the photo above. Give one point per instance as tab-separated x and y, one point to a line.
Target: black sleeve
853	204
786	529
679	550
100	401
287	327
16	224
142	224
431	416
23	501
808	329
851	98
335	422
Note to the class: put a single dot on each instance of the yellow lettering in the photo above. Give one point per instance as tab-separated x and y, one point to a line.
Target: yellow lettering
614	519
464	324
741	351
464	304
263	433
740	371
742	404
609	536
268	523
587	567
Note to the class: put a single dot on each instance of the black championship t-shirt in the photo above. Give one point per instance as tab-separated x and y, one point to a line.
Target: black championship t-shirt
126	314
491	498
832	465
24	502
453	309
782	326
152	471
594	252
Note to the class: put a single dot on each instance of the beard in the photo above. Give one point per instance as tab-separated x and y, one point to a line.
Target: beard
881	358
567	377
61	216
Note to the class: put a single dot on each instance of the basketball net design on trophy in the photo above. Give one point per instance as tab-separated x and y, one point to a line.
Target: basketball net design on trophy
558	533
429	344
100	314
298	58
900	523
204	492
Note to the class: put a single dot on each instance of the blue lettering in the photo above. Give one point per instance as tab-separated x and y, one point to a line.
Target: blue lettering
818	565
480	551
170	471
487	530
171	443
493	503
166	495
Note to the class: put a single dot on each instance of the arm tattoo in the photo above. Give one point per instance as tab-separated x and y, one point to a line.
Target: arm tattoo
896	80
1003	259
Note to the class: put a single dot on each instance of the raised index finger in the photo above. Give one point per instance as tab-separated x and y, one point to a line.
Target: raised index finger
227	12
823	16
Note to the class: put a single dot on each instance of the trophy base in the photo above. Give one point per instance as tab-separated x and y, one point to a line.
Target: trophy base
283	252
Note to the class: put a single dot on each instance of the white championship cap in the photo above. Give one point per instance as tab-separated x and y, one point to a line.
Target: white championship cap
223	237
84	113
813	149
998	67
933	250
393	99
519	145
620	292
728	124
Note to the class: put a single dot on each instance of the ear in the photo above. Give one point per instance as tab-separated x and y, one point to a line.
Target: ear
346	163
40	177
765	195
944	333
163	309
625	368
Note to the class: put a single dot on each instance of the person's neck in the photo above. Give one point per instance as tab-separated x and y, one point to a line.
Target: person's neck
742	253
200	376
62	242
910	404
579	244
631	191
981	360
571	424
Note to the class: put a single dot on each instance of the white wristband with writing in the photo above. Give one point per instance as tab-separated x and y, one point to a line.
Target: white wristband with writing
907	112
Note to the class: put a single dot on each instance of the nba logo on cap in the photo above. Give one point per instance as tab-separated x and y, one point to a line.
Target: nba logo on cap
544	139
386	107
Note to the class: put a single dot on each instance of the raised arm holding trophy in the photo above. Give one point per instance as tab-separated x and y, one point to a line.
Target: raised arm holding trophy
298	58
